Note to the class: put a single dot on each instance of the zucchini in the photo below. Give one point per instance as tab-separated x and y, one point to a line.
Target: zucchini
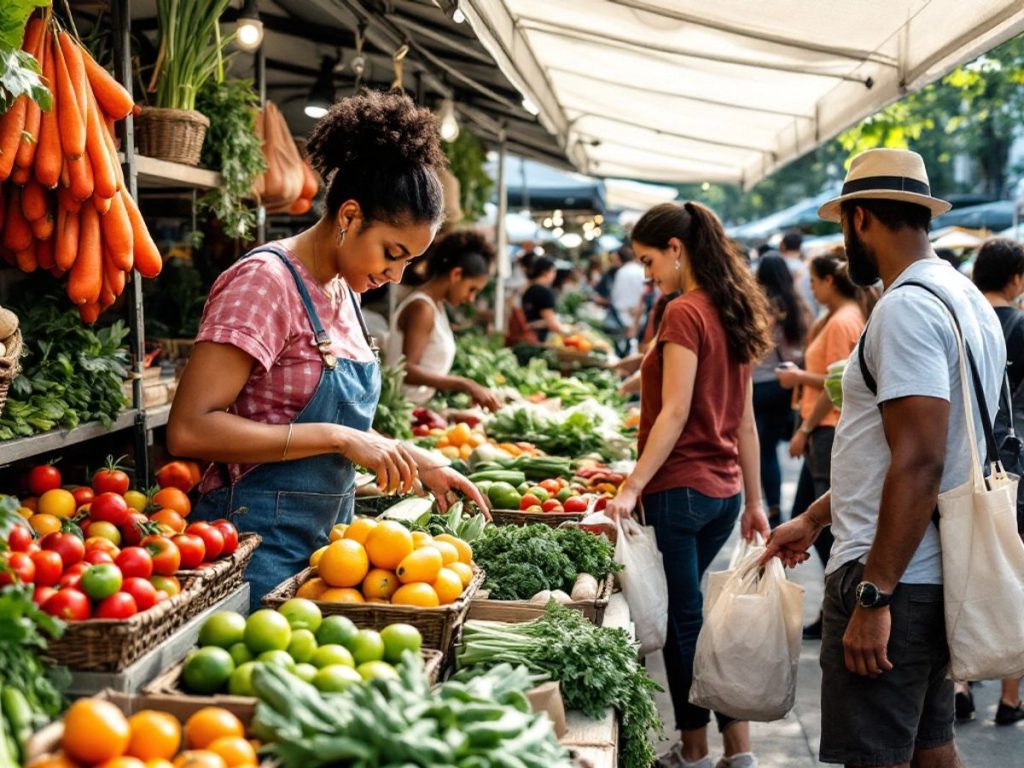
510	476
412	510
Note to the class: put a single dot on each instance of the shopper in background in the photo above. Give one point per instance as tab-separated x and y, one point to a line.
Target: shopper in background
458	268
627	299
281	388
999	274
791	249
539	300
832	338
698	443
603	289
773	409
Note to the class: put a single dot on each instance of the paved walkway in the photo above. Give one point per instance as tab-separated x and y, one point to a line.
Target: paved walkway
793	742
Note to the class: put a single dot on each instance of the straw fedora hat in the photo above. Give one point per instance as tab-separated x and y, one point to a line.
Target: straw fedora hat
886	174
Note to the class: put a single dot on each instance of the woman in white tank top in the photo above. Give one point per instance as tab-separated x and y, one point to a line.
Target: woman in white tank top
458	267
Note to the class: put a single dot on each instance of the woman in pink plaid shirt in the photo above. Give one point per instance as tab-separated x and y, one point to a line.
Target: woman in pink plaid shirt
282	385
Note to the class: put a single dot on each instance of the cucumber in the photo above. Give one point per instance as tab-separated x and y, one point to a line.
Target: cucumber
411	510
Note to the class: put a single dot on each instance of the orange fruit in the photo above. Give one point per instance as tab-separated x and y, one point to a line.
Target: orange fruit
314	559
173	498
465	451
422	565
360	528
159	764
95	731
463	571
448	586
344	564
449	554
380	584
459	435
123	762
342	595
25	512
44	524
465	551
208	724
58	502
338	531
421	539
477	439
51	761
312	589
417	593
388	544
235	751
154	735
199	758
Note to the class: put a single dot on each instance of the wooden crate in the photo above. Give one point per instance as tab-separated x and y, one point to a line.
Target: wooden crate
516	611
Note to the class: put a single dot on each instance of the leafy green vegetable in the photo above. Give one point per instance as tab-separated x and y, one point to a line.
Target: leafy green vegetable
596	666
574	432
394	412
19	70
522	561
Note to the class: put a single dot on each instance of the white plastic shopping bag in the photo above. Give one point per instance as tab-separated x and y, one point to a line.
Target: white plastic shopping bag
717	579
643	583
749	647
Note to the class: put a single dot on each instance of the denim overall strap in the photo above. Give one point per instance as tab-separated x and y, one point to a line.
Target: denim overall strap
293	504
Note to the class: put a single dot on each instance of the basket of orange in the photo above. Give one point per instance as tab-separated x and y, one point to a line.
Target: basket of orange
377	573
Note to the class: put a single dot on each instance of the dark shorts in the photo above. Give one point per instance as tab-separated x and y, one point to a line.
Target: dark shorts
883	721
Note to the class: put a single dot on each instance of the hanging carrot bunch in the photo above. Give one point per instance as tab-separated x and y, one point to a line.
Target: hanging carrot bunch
64	206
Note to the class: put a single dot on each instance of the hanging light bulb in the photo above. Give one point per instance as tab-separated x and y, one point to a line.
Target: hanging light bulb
458	17
449	123
321	95
530	107
249	28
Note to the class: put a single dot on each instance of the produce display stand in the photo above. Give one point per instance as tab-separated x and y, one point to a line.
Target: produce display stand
515	611
520	517
215	581
162	655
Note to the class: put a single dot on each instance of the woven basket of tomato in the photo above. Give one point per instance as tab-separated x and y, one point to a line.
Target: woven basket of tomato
218	578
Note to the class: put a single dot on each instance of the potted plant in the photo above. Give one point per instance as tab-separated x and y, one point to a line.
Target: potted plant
191	51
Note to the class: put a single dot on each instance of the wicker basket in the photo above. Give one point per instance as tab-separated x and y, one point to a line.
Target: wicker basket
440	626
10	365
171	134
215	581
516	517
515	611
111	645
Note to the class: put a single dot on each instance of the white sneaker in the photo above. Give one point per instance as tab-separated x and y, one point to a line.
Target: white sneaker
741	760
673	758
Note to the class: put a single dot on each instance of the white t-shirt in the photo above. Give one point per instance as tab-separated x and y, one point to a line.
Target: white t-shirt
439	354
627	290
911	349
801	273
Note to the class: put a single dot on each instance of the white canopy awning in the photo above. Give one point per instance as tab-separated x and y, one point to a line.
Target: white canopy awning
724	91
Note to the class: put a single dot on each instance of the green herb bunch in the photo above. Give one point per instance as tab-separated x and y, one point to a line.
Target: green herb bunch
19	70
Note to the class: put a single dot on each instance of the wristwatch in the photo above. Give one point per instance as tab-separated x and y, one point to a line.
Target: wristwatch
870	596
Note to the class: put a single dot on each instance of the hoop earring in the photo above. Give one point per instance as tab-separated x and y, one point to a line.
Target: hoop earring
341	236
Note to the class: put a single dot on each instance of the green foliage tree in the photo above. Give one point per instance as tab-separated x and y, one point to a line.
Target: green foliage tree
466	157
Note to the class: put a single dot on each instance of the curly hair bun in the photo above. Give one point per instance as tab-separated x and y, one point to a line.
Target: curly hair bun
375	129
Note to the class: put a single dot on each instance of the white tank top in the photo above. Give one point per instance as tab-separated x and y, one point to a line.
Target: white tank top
438	355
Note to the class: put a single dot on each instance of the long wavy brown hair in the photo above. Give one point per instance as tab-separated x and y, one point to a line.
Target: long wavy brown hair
719	268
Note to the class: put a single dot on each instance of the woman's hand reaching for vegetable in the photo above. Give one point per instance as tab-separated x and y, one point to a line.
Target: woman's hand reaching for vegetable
389	459
443	482
483	396
622	506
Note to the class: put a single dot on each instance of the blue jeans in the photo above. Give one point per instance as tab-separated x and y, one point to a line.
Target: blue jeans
691	529
774	418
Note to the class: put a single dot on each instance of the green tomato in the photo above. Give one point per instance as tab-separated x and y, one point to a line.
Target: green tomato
523	488
504	496
564	494
540	493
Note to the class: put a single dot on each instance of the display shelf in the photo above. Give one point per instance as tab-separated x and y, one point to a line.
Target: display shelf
48	442
162	174
157	417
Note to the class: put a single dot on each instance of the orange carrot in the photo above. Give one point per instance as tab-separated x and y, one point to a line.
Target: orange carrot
108	138
48	157
20	176
66	251
72	52
111	95
12	122
102	204
72	123
66	201
3	204
44	252
89	313
86	278
104	177
17	232
27	258
117	234
146	254
34	44
33	200
42	229
80	180
113	275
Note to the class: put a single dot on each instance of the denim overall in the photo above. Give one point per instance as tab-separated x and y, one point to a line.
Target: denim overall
293	504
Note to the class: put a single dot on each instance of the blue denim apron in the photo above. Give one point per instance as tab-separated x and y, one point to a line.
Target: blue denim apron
293	504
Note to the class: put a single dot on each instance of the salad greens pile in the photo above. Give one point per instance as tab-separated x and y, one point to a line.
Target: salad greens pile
583	429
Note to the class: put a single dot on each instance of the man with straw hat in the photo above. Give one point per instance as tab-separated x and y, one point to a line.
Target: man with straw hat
902	439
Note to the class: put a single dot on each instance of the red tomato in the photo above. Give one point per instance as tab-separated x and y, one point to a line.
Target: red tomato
175	475
142	591
111	480
552	505
49	568
120	605
19	568
68	604
169	585
551	486
19	538
166	557
230	534
192	549
601	504
109	508
131	534
575	504
73	575
212	538
528	500
161	596
70	548
135	561
83	495
98	557
101	543
43	478
171	519
42	594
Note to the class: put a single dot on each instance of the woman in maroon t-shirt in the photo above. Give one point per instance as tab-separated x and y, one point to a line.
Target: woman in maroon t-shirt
698	442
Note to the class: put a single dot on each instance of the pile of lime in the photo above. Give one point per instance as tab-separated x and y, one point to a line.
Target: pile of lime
330	652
